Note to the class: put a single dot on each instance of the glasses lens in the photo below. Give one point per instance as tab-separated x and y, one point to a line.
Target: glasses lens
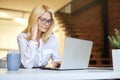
45	21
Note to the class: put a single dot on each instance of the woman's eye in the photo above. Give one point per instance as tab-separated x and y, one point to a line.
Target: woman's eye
44	20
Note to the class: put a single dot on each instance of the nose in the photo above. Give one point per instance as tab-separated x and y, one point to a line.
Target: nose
46	23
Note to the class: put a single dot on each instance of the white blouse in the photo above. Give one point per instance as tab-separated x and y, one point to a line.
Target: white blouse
34	56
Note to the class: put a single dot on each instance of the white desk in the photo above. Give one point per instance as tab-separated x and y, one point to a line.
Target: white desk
38	74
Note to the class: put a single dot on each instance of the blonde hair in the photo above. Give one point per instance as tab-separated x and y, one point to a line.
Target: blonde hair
37	12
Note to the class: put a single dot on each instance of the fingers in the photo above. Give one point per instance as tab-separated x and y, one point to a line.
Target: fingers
57	64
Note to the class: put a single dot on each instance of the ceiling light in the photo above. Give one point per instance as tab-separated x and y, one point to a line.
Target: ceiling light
3	14
21	20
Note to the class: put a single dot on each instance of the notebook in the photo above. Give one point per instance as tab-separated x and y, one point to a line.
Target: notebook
76	54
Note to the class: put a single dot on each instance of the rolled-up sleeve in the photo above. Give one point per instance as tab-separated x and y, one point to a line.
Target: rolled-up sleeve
28	50
56	54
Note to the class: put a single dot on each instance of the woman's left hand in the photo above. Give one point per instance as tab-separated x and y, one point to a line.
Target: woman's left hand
57	64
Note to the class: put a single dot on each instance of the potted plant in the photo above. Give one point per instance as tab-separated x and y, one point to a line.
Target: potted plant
115	42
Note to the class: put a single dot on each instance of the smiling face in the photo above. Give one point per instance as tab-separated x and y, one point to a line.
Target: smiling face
44	22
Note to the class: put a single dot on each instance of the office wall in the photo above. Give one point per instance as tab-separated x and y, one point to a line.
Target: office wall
94	20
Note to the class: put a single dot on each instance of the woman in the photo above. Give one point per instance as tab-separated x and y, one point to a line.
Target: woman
36	43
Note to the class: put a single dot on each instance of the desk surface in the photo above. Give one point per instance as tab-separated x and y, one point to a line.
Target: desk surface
38	74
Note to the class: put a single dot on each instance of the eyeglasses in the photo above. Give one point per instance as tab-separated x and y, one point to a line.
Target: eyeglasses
45	21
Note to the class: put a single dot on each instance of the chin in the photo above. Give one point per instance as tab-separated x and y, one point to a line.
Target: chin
44	30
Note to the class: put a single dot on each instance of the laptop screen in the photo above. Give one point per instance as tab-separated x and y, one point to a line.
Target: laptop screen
76	53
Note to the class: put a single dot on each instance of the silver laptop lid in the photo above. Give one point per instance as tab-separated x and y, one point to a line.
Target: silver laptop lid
76	53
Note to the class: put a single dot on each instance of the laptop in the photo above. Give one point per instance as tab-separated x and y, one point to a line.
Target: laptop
76	54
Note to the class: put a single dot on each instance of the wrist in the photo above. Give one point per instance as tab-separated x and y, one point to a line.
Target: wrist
33	39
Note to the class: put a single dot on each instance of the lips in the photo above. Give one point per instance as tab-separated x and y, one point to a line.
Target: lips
44	27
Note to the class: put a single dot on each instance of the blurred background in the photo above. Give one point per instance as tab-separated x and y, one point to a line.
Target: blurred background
85	19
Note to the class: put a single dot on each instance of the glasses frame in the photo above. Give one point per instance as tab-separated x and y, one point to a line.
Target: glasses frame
45	21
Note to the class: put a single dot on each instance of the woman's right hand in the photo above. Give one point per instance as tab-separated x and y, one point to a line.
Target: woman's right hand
34	31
